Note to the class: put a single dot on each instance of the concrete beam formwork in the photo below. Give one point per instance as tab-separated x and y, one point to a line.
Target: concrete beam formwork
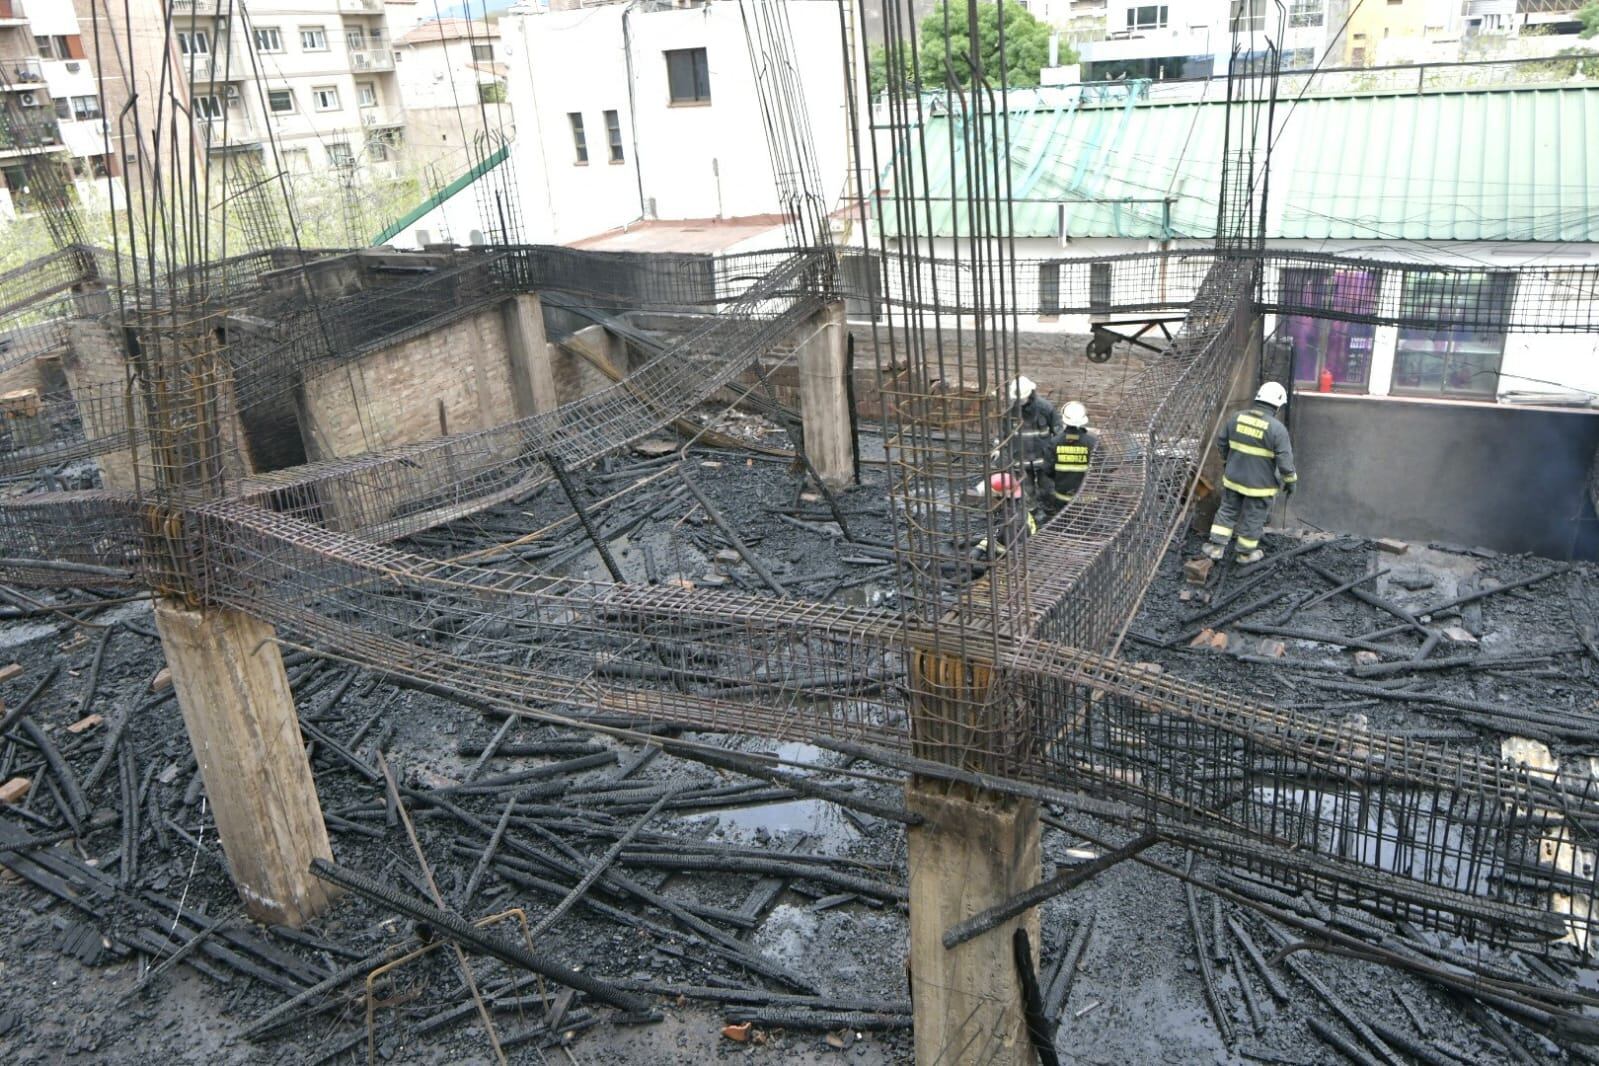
973	849
241	720
824	398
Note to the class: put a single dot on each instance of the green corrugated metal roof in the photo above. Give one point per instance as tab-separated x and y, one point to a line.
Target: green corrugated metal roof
1512	165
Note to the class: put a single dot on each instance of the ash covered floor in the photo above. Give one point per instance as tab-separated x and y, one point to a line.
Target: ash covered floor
739	900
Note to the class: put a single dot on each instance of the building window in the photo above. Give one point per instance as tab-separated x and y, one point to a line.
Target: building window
207	105
1453	362
313	39
59	46
325	97
195	43
1342	350
368	93
613	135
339	154
579	143
1306	12
483	53
355	38
1146	17
377	150
281	101
1249	16
491	92
268	39
688	76
85	107
297	160
63	108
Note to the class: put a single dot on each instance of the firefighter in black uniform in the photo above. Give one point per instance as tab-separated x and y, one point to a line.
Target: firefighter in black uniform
1073	450
1037	426
1258	459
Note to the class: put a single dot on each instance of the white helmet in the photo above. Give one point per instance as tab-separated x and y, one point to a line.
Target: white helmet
1020	389
1273	394
1075	415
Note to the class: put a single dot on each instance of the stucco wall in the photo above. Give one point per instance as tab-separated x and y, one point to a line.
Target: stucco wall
1510	479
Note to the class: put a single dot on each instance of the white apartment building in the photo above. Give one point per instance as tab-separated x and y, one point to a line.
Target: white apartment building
48	81
1195	38
630	114
452	77
304	85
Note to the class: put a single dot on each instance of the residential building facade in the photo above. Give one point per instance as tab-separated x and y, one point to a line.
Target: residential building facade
630	114
300	85
1196	38
452	76
52	100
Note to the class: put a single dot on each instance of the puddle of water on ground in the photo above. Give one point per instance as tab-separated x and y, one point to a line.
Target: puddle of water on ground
818	819
16	636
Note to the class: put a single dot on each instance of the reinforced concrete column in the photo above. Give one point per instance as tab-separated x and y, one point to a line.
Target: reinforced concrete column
824	398
239	711
972	850
528	352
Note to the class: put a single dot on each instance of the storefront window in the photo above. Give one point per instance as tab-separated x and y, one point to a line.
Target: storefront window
1453	362
1342	349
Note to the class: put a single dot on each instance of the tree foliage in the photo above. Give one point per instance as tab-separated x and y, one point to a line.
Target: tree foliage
1588	15
946	55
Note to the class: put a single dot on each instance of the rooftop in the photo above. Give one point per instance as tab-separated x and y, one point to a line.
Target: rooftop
1501	165
682	235
437	31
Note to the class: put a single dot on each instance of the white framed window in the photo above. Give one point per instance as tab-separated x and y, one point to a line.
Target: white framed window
85	107
1306	12
297	160
483	53
377	150
580	143
208	105
325	97
281	101
268	39
613	135
1147	17
339	154
355	38
367	93
194	42
1249	16
688	76
313	39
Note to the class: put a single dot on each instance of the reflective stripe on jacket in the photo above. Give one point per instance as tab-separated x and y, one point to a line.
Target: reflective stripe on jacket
1257	455
1074	452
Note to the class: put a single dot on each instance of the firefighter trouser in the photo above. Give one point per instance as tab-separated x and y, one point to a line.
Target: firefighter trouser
1242	518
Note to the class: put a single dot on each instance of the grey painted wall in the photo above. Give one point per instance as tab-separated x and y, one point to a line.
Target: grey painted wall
1469	474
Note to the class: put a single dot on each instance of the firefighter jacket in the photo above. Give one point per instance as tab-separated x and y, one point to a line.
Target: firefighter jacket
1257	455
1074	450
1038	425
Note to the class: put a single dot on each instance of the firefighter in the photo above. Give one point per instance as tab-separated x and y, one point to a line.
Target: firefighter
1012	522
1073	451
1037	426
1258	459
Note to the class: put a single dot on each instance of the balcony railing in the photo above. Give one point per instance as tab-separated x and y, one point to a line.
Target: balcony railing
381	117
372	59
360	7
217	66
31	135
182	10
22	73
231	133
1549	7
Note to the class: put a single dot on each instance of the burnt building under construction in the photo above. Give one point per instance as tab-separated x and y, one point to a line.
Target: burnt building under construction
523	652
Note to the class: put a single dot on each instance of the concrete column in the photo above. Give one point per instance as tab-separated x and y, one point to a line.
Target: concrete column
824	398
240	715
532	377
974	849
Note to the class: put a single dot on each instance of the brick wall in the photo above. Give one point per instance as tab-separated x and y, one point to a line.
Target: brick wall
392	396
